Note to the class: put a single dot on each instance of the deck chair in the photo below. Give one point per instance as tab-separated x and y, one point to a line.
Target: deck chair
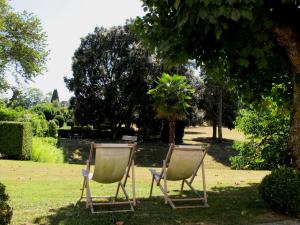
182	164
112	165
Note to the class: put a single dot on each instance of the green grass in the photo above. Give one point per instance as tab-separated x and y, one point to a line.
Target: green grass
45	193
45	150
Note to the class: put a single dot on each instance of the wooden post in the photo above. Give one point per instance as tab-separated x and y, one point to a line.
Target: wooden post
133	183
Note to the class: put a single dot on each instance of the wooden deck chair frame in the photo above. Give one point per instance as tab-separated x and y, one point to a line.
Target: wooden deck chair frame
157	177
121	184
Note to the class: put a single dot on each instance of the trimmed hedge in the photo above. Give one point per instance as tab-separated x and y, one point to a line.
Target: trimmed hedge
15	139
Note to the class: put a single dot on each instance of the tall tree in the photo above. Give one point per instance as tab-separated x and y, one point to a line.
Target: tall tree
171	97
111	76
258	39
55	96
22	44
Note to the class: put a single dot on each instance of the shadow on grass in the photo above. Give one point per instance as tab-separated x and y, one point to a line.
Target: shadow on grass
221	152
228	205
149	154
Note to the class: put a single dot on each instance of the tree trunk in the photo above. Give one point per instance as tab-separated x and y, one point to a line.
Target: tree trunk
220	114
294	140
171	131
214	129
289	41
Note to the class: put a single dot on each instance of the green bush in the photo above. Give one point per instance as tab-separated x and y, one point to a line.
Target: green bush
39	124
281	190
267	128
46	109
60	120
15	139
52	130
70	123
5	210
8	114
45	150
248	157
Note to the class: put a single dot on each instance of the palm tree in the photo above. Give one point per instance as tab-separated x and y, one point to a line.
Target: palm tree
171	97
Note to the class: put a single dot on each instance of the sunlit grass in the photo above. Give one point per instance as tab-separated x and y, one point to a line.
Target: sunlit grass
46	193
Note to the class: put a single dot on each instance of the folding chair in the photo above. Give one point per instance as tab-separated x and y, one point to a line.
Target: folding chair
182	163
112	164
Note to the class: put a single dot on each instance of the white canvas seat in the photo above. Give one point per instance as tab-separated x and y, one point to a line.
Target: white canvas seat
112	165
182	163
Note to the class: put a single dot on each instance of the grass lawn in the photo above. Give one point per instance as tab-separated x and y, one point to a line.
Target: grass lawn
43	193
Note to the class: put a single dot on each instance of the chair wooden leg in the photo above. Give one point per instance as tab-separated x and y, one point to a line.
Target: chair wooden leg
117	192
204	185
133	183
181	188
165	183
126	196
82	189
89	201
151	189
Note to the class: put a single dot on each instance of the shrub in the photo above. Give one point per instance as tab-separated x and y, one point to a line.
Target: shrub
15	139
45	109
70	123
8	114
60	120
5	210
39	125
281	190
267	128
52	130
45	150
248	157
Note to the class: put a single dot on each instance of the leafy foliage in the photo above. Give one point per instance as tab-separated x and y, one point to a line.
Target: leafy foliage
171	95
239	32
26	97
267	127
15	140
281	190
111	76
170	98
23	43
6	211
45	109
60	120
38	123
52	130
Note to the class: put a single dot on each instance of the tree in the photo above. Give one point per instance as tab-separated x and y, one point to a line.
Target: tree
22	44
26	97
258	39
54	96
170	100
219	101
111	77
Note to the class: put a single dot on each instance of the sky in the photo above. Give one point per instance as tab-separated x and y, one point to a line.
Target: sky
65	22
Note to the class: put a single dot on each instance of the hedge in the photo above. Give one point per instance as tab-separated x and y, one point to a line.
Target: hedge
15	139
